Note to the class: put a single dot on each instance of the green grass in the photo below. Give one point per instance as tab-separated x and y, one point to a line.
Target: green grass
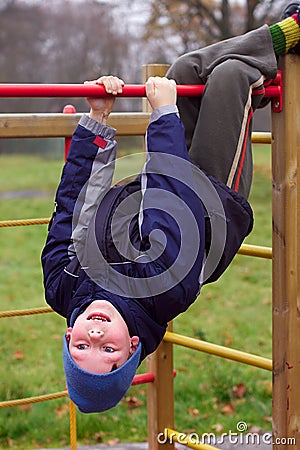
235	311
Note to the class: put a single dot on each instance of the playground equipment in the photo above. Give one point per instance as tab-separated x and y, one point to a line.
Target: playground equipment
285	254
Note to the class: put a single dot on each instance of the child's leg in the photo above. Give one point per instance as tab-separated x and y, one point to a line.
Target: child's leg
221	142
218	125
254	48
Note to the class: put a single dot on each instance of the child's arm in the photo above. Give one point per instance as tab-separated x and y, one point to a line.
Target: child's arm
171	218
92	152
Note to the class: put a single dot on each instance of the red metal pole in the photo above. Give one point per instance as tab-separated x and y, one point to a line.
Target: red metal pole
83	90
87	90
147	377
143	378
68	109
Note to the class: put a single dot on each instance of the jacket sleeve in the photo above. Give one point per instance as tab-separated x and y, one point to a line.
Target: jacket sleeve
91	157
171	217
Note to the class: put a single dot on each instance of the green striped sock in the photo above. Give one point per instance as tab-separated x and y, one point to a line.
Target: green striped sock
285	34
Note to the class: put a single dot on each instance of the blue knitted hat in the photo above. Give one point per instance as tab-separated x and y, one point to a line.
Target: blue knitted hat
93	392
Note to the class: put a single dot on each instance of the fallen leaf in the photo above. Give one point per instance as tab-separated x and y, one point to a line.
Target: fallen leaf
218	427
269	386
239	390
228	338
18	355
25	407
98	437
133	402
63	410
215	402
255	430
228	409
266	301
113	442
193	412
10	442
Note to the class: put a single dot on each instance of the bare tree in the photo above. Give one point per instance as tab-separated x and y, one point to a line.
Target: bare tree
58	42
180	26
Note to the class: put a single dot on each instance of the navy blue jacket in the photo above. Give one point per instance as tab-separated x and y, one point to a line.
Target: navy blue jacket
163	196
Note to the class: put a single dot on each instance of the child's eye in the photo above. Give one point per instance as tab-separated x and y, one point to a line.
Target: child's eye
82	346
109	349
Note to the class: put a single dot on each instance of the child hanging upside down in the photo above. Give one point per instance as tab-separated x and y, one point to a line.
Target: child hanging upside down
121	262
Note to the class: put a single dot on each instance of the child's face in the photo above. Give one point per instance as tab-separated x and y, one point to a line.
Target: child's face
100	339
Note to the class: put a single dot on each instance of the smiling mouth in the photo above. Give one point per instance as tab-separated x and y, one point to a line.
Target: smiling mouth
99	317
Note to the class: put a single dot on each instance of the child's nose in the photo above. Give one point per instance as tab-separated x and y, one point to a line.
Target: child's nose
96	334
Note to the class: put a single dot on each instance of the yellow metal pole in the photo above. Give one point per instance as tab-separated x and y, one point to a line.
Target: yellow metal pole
259	137
30	400
218	350
184	439
73	433
25	312
255	250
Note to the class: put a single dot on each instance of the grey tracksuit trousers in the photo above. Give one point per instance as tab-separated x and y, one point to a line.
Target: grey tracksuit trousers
218	125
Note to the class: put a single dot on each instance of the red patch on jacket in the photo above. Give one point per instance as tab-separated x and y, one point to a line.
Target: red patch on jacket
100	142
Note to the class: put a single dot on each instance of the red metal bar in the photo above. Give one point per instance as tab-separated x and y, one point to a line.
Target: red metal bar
143	378
147	377
83	90
68	109
87	90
